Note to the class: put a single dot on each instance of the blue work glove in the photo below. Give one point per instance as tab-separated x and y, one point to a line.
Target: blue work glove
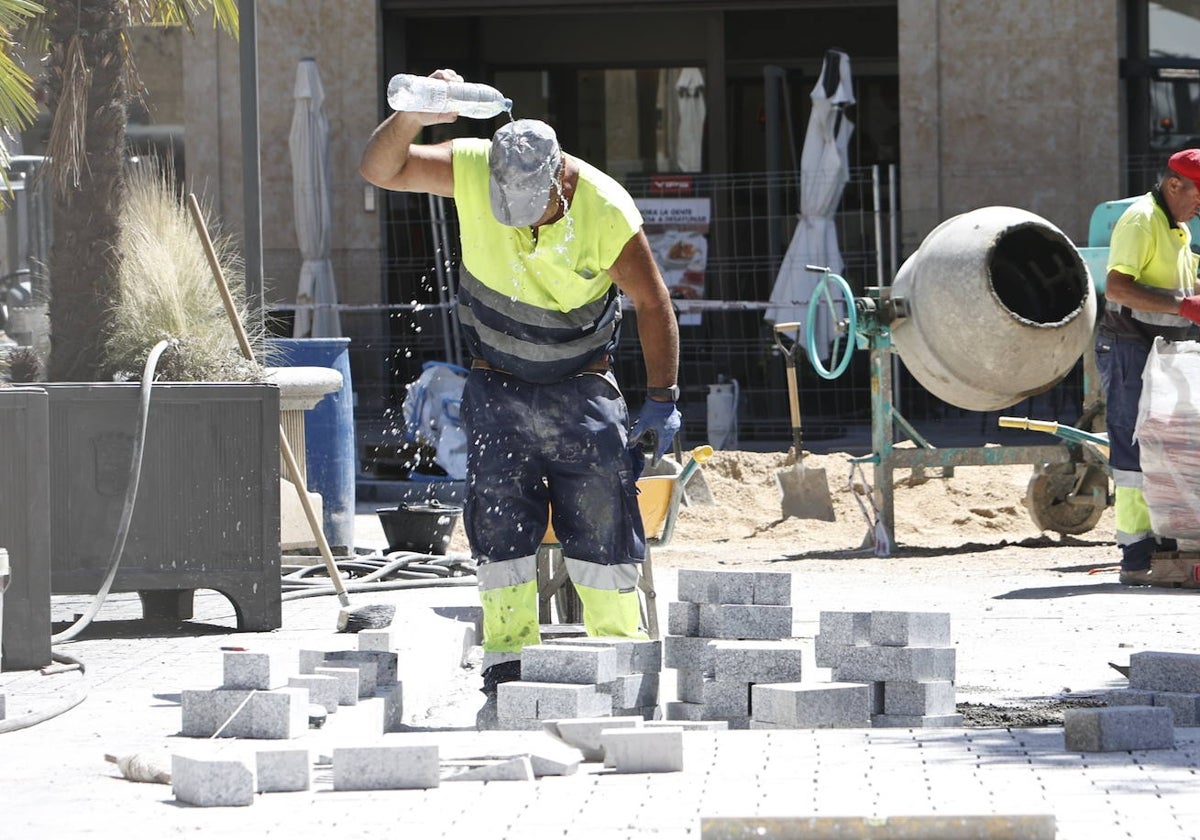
655	428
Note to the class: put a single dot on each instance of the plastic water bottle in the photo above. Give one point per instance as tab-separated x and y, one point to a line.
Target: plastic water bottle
424	94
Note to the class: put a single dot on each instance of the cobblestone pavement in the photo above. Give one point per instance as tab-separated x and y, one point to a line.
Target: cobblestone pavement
55	782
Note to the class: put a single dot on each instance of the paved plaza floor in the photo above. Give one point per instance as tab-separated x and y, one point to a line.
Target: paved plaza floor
1038	636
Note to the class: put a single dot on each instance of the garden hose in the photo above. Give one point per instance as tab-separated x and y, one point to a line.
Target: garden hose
382	572
135	474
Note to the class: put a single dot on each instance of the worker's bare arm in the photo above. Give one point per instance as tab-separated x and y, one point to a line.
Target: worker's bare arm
637	275
1124	290
393	160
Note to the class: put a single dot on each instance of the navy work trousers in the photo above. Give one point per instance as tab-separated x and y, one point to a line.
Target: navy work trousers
561	446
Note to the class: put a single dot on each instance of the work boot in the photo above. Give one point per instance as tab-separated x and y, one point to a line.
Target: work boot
493	676
501	672
486	718
1134	577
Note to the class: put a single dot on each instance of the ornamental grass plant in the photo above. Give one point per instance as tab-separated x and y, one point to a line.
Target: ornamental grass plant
166	289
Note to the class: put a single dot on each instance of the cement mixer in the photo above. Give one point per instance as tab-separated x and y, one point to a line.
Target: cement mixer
996	305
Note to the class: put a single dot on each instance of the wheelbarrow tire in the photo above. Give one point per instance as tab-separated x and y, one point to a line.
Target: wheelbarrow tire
1051	506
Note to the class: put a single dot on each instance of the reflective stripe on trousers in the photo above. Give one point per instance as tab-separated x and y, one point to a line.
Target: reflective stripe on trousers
509	596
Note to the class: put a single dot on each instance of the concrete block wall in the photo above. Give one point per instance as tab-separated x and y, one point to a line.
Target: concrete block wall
241	713
1165	680
889	667
250	704
582	678
814	705
728	632
247	705
907	659
1153	670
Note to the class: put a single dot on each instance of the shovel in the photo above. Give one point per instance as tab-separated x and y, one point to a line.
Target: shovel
805	492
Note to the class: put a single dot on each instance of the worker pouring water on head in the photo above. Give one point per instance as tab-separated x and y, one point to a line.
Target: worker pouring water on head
547	242
1150	292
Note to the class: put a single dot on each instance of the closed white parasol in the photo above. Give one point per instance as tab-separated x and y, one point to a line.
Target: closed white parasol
313	202
824	171
689	140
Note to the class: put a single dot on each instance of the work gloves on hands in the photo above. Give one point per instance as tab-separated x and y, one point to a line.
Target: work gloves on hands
655	428
1189	308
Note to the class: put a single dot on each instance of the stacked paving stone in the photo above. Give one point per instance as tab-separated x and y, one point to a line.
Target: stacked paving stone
1164	692
905	661
1163	680
728	631
585	677
245	706
248	705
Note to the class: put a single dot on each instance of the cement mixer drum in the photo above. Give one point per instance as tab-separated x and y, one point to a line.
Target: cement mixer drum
1000	307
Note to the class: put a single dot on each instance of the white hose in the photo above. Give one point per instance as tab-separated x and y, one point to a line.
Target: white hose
52	711
135	474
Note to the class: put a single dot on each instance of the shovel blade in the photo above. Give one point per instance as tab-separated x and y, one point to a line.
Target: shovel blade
805	493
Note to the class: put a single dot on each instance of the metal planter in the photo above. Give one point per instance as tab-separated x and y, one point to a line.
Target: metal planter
25	527
207	509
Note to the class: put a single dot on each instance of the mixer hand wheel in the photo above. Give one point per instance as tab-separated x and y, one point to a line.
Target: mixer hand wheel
844	331
1067	498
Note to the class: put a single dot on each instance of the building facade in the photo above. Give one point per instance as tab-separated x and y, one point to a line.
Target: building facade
1051	107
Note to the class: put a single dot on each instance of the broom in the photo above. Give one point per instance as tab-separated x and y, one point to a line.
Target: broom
371	617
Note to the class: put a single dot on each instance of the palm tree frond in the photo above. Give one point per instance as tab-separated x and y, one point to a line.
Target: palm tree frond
34	37
183	12
133	81
17	106
15	13
225	15
68	133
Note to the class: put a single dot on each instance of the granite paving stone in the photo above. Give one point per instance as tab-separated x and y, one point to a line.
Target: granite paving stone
1009	649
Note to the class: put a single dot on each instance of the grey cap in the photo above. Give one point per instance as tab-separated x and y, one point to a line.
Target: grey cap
525	161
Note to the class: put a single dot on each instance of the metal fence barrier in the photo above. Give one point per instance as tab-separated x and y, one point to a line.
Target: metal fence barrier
753	217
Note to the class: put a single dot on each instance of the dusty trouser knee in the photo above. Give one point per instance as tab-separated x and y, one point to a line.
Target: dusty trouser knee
611	606
508	593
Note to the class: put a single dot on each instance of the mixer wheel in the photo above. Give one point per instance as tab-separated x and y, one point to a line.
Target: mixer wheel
1067	498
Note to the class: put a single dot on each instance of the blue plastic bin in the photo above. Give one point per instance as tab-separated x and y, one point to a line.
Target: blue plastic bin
328	430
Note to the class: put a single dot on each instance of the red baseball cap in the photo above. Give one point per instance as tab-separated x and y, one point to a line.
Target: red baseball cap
1186	164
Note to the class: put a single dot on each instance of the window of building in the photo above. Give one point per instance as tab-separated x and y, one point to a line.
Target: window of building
1174	48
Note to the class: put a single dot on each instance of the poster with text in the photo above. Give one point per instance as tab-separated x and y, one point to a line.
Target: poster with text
677	229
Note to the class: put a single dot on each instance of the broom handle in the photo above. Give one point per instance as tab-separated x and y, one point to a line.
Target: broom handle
285	448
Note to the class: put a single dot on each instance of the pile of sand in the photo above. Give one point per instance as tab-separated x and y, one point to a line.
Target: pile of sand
975	505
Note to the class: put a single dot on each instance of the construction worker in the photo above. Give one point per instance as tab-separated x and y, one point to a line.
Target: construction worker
1150	292
547	240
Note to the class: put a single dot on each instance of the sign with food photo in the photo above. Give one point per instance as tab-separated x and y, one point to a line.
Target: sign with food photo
677	229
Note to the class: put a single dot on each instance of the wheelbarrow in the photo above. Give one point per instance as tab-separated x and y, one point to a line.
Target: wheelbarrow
1063	498
1069	497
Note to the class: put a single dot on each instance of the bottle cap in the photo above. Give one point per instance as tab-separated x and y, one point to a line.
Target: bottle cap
4	567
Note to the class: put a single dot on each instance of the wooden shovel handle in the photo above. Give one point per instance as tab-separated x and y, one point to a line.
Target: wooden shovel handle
285	448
